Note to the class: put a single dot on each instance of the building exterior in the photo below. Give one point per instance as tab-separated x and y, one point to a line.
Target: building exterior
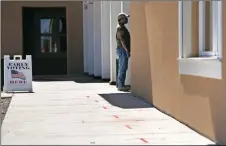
100	21
177	58
31	27
178	61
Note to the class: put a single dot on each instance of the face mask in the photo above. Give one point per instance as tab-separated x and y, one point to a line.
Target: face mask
125	20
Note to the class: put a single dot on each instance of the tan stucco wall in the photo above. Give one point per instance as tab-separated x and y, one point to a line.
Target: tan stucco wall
140	70
196	101
12	37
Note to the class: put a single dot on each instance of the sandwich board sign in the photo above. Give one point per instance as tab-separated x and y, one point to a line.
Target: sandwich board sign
17	74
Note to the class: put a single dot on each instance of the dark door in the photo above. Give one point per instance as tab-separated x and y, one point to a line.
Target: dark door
46	40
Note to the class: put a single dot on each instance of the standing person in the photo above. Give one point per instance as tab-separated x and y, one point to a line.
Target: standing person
123	51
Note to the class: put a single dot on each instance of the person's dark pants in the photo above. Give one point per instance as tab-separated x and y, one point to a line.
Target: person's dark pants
122	66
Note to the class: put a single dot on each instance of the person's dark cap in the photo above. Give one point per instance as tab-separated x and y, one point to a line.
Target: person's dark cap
122	15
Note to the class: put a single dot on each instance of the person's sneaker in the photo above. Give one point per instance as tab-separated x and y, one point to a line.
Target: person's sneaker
125	88
128	86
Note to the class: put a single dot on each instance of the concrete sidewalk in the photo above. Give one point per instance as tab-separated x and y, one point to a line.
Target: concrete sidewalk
66	112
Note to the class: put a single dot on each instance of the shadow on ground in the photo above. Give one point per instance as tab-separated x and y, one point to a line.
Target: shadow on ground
80	78
125	100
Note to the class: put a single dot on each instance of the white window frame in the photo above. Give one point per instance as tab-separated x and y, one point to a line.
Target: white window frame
202	29
208	63
216	29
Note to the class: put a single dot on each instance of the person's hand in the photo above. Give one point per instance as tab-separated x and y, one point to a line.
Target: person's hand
128	54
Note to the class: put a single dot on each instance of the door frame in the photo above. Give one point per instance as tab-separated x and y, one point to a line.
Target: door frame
39	12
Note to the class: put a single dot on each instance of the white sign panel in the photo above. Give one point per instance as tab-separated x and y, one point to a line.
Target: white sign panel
17	73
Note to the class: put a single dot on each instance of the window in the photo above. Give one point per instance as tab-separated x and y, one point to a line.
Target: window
63	34
207	59
47	35
205	32
53	35
210	28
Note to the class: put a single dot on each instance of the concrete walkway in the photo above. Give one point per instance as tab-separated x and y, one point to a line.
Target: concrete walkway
66	112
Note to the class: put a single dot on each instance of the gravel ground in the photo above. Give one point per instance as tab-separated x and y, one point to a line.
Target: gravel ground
5	102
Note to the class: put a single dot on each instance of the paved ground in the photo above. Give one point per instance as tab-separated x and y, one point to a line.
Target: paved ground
66	112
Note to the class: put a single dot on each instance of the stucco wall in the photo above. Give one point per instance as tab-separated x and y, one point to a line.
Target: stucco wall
196	101
12	37
140	65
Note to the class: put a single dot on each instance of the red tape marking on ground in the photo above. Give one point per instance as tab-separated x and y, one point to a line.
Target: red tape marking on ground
116	117
142	139
128	127
105	107
139	120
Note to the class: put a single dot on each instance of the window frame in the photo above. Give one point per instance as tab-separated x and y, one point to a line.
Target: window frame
208	63
202	29
185	29
216	29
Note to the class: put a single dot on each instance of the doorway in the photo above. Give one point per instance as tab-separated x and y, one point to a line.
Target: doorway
45	38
